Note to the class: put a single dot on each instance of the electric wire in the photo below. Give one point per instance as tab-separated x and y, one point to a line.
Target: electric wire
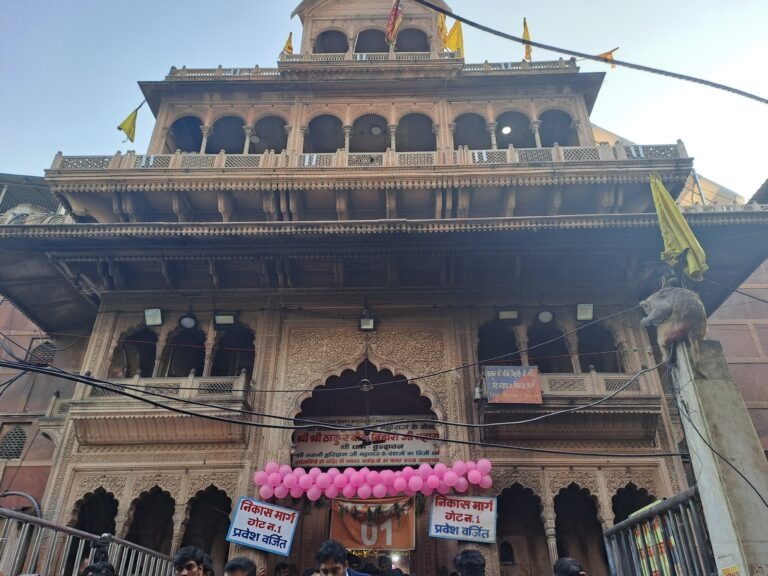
586	56
763	300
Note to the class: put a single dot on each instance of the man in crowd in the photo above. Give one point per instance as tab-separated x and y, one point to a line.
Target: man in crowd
242	566
189	561
470	563
282	569
332	560
385	567
568	567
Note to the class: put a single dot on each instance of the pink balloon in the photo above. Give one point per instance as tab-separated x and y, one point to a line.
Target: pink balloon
331	492
486	482
443	488
266	492
426	490
281	491
314	493
349	471
415	483
474	476
306	482
379	491
400	484
471	465
315	472
364	491
484	466
450	478
460	467
340	481
333	472
387	477
272	467
260	478
349	491
297	492
323	481
425	471
461	485
372	478
284	469
299	472
357	479
290	481
440	469
392	491
274	479
408	472
433	481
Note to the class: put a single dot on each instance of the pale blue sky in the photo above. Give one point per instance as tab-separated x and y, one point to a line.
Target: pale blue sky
68	68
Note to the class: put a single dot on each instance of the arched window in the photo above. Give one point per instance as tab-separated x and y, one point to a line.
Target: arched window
325	135
579	534
185	134
228	135
370	133
12	444
496	339
415	134
135	354
514	128
234	352
412	40
520	530
548	350
371	42
557	127
628	500
184	351
151	524
207	525
269	133
471	130
95	514
331	42
597	348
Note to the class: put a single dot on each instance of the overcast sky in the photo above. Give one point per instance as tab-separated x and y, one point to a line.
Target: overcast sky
69	68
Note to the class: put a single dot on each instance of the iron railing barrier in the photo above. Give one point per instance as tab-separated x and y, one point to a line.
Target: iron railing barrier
667	539
29	545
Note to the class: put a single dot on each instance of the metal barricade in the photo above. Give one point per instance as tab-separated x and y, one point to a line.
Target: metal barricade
29	545
668	539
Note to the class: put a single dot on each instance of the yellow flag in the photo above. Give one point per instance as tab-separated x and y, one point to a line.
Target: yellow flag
454	40
608	56
288	48
527	36
676	233
442	28
129	124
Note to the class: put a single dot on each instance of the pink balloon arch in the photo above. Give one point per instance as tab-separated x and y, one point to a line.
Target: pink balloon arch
280	481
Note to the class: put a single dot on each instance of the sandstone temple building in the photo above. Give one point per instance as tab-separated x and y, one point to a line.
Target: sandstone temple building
363	212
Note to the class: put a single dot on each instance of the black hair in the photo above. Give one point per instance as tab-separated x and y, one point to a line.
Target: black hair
309	571
567	567
188	553
280	567
385	562
207	564
241	563
99	569
371	569
331	550
470	563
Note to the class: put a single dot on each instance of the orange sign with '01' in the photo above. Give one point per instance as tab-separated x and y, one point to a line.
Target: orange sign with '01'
383	524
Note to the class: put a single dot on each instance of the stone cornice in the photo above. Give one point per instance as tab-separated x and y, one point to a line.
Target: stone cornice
361	227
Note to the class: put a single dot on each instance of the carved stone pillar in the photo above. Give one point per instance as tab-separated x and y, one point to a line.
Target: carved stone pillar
347	133
548	518
247	146
158	359
452	128
206	130
535	125
492	131
393	137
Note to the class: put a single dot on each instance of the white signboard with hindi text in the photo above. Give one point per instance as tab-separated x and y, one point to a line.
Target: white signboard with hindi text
263	526
472	519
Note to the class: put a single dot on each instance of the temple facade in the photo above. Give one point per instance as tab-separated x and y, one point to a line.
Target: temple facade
354	235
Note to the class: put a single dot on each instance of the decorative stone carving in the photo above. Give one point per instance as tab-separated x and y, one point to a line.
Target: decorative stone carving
617	479
558	480
170	483
227	482
87	483
314	353
505	477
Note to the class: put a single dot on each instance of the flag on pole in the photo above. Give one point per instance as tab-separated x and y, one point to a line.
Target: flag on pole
527	37
442	28
129	124
676	233
454	40
288	48
395	19
608	56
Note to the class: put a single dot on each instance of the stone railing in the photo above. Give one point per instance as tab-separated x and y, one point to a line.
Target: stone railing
365	57
753	207
523	66
592	384
192	387
208	73
344	159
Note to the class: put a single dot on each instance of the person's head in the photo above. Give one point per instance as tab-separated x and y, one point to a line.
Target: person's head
370	569
470	563
207	565
568	567
282	569
309	572
332	558
99	569
355	562
189	561
240	566
385	562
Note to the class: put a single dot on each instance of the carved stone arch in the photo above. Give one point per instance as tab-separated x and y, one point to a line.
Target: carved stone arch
219	114
358	113
564	108
184	114
132	523
332	28
268	114
74	514
429	113
585	480
504	478
615	480
515	109
315	113
370	26
482	112
197	492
